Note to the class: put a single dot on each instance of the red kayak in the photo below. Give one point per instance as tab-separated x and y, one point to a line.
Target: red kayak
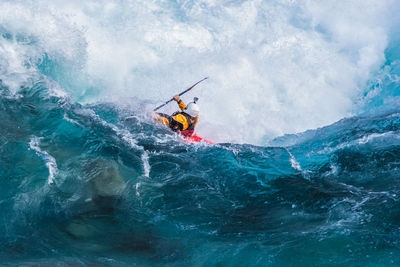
196	138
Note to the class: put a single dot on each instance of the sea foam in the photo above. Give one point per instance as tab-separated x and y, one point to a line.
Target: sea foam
275	67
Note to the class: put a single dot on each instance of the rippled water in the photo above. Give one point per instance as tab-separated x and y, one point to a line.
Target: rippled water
83	186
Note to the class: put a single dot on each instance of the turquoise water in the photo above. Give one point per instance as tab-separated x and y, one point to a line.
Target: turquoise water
82	186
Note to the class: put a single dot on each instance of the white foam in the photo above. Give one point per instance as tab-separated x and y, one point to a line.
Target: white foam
71	120
275	67
146	164
44	155
383	138
293	162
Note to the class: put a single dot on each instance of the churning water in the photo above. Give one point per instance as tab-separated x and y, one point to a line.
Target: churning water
302	100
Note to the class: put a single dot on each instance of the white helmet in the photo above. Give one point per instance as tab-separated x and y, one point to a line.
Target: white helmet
192	109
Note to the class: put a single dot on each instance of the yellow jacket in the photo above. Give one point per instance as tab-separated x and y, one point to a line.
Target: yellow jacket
188	122
179	121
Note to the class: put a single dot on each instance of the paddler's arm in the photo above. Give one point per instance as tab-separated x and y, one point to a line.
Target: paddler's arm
178	100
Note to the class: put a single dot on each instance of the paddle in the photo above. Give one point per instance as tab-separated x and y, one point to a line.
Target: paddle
187	90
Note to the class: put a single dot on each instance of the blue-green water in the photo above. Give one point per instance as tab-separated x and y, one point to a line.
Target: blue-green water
82	186
131	193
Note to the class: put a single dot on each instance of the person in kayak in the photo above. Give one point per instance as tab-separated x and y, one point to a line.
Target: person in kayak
182	122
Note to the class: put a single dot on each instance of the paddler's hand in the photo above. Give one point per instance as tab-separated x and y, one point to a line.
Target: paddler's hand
177	98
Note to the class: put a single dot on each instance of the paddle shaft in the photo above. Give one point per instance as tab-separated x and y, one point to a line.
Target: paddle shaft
184	92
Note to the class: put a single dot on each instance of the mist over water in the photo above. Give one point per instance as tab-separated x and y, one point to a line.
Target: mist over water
275	67
302	100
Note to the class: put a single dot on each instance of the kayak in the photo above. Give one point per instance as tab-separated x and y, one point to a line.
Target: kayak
191	139
196	138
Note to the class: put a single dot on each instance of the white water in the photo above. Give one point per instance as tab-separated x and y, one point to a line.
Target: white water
46	157
275	67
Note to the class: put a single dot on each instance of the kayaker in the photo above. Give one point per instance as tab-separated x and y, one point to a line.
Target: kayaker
183	121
